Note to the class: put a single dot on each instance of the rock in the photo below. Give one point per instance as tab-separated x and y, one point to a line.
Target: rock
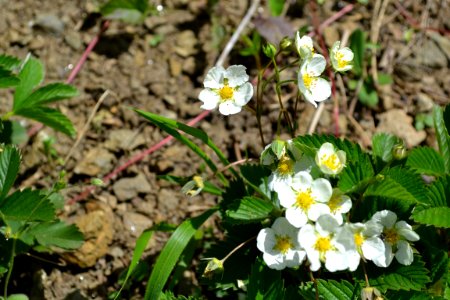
97	227
95	162
186	43
175	66
136	223
397	122
49	24
331	35
73	39
189	65
430	55
443	43
424	102
127	188
124	139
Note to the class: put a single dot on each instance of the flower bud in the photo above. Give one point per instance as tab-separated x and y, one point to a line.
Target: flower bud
269	50
286	44
214	266
399	151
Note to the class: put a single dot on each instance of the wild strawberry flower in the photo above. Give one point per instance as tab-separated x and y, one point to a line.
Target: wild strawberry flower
311	85
280	245
305	199
365	241
229	89
304	45
321	244
341	58
339	204
329	160
193	187
396	237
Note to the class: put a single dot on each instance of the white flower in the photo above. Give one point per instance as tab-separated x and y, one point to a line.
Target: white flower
305	199
395	237
229	89
365	241
314	88
280	245
339	204
321	244
341	58
193	187
277	150
304	46
329	160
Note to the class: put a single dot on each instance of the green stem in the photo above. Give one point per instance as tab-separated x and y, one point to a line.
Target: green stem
10	267
8	115
278	92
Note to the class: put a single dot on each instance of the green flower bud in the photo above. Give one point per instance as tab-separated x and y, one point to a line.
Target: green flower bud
269	50
399	151
286	44
214	266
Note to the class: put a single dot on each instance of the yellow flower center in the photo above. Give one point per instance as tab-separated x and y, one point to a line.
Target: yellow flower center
391	235
308	80
340	60
198	181
284	244
335	203
331	161
226	92
304	200
285	166
359	239
323	244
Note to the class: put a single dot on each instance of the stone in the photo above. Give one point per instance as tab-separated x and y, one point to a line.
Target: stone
443	43
49	23
73	39
186	43
431	55
136	223
96	161
424	102
124	139
128	188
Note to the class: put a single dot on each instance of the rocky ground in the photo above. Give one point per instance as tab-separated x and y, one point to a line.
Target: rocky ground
159	67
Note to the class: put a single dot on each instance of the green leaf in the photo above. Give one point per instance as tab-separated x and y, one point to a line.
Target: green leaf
210	187
171	253
17	297
7	79
357	44
446	117
47	94
368	95
249	210
400	277
9	62
9	168
50	117
439	192
58	234
276	7
28	206
436	216
383	145
333	290
132	11
265	283
385	79
403	295
442	136
30	76
426	160
256	176
13	133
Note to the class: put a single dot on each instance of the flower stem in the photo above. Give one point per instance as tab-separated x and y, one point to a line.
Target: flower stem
365	273
237	248
10	267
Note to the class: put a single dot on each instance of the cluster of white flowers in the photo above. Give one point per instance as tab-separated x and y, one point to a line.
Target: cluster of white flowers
315	225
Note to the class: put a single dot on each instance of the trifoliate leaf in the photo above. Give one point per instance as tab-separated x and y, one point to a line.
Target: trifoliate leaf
47	94
248	210
7	79
426	160
58	234
31	75
383	145
333	290
9	167
9	62
438	193
265	283
436	216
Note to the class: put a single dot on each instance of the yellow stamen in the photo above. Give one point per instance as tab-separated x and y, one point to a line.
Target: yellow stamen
323	244
198	181
284	244
391	235
307	80
304	200
359	239
285	166
331	161
335	203
340	60
226	93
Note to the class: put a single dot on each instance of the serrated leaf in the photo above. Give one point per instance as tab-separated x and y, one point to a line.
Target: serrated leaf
257	177
426	160
368	95
27	205
132	11
446	116
265	283
383	144
403	295
9	62
7	79
49	117
333	290
171	253
442	136
9	168
249	210
439	192
31	75
47	94
436	216
58	234
400	277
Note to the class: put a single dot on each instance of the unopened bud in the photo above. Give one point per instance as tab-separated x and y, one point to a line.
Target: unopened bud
214	266
286	44
370	293
97	182
269	50
399	151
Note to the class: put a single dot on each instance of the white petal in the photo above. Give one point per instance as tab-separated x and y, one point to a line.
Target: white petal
317	210
386	218
209	98
236	75
301	83
316	65
286	195
326	150
243	94
335	261
326	224
372	228
345	205
405	230
353	259
301	181
372	247
404	254
314	260
214	78
321	90
296	217
274	261
310	98
294	258
229	108
321	190
265	241
347	54
338	217
281	226
307	236
385	259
